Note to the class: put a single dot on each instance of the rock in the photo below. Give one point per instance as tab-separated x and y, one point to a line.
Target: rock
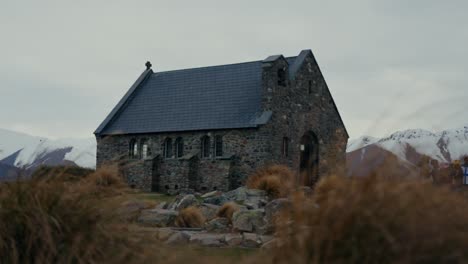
239	194
273	208
162	205
211	194
207	240
129	210
265	239
219	224
157	217
250	240
216	200
233	240
273	243
187	201
209	210
248	221
178	238
255	192
164	233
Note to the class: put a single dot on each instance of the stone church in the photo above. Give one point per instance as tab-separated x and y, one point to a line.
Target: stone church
208	128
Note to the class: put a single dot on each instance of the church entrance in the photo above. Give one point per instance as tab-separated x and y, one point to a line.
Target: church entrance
156	175
309	160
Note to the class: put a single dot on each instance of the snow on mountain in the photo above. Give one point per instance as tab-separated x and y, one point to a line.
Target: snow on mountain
444	146
24	151
360	143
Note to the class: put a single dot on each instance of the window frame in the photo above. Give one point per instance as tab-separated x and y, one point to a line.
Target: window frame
168	151
133	149
205	147
179	147
219	146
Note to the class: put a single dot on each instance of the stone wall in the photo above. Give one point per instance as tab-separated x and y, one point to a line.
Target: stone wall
302	105
297	110
243	151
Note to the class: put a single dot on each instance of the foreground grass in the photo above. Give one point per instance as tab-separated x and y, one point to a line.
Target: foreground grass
75	219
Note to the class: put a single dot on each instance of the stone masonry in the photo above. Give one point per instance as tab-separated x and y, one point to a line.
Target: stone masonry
300	106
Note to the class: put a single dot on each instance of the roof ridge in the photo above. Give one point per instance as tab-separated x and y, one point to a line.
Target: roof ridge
214	66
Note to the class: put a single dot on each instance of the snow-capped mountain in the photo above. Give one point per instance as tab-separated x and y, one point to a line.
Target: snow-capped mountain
445	146
28	152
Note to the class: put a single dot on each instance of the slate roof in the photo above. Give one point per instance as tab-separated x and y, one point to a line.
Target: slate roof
217	97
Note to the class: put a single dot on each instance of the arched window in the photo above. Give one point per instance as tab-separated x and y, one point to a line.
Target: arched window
133	149
179	147
281	77
205	147
145	149
168	148
219	146
285	147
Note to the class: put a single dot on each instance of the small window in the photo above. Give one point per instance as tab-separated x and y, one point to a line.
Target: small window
281	77
168	148
219	146
179	146
145	149
133	149
205	147
285	147
310	87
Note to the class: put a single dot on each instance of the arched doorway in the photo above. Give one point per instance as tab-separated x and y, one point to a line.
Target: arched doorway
309	160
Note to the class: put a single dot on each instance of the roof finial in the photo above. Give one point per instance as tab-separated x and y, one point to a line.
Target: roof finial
148	65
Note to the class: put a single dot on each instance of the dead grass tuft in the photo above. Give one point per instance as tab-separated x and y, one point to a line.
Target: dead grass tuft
372	220
190	217
277	180
227	210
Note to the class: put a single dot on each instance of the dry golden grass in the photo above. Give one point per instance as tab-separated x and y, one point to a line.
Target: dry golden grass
372	220
190	217
227	210
277	180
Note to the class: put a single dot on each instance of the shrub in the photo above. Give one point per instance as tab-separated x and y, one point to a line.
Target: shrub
106	176
371	220
277	180
190	217
65	173
227	210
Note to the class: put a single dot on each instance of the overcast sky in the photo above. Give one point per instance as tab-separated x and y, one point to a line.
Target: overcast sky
390	65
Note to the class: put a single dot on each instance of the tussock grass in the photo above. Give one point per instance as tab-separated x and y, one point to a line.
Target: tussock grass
227	210
371	220
190	217
277	180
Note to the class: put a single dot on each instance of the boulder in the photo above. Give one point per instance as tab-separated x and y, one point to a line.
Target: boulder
250	240
211	194
209	210
178	238
162	205
157	217
164	233
130	210
273	243
207	239
249	221
239	194
216	200
186	201
273	208
218	225
233	240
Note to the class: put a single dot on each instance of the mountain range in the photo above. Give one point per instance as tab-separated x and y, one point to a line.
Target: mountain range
403	151
22	153
398	153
